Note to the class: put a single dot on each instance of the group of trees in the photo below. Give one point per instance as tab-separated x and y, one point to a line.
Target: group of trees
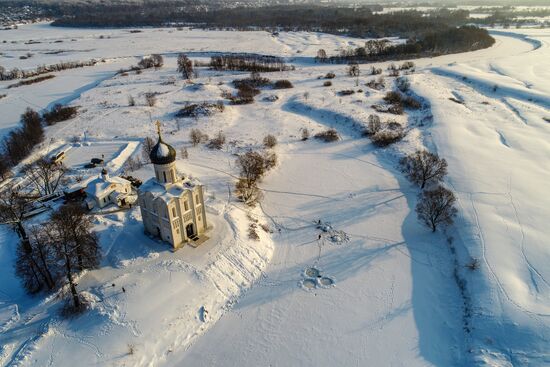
248	62
429	43
56	251
153	61
17	73
435	206
18	144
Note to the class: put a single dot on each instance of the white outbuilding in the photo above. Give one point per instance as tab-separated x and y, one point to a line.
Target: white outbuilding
105	190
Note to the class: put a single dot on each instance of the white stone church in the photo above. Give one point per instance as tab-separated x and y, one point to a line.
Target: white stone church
172	207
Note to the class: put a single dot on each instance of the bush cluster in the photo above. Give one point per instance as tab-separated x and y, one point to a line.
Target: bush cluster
282	84
200	109
328	136
59	113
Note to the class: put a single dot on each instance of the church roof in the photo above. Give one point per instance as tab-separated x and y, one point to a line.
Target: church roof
167	191
162	153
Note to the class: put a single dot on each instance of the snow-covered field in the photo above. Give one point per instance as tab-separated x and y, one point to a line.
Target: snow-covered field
385	295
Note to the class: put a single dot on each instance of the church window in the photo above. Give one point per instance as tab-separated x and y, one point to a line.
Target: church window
196	199
172	175
186	205
164	175
174	212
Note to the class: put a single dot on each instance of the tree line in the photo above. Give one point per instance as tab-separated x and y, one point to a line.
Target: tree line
20	142
248	62
17	73
357	21
451	40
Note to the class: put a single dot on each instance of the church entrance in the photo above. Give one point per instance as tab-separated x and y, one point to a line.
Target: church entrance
190	230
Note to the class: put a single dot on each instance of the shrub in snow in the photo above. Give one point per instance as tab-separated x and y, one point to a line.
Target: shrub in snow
423	167
435	207
252	232
328	83
184	154
153	61
375	71
353	69
150	99
386	136
403	84
395	109
473	264
270	160
255	80
200	109
131	101
330	76
271	98
305	134
393	97
283	84
59	113
328	136
412	103
196	136
270	141
346	92
217	142
407	65
377	84
373	125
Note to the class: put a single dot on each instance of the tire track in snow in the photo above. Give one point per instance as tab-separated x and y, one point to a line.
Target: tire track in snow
532	268
492	271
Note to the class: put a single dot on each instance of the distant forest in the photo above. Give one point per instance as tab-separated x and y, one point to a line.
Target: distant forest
433	32
358	21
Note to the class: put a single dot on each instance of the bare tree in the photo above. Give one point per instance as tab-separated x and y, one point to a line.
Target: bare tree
436	207
186	67
35	262
353	69
132	164
45	175
248	191
147	147
251	166
321	55
423	167
13	205
76	246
